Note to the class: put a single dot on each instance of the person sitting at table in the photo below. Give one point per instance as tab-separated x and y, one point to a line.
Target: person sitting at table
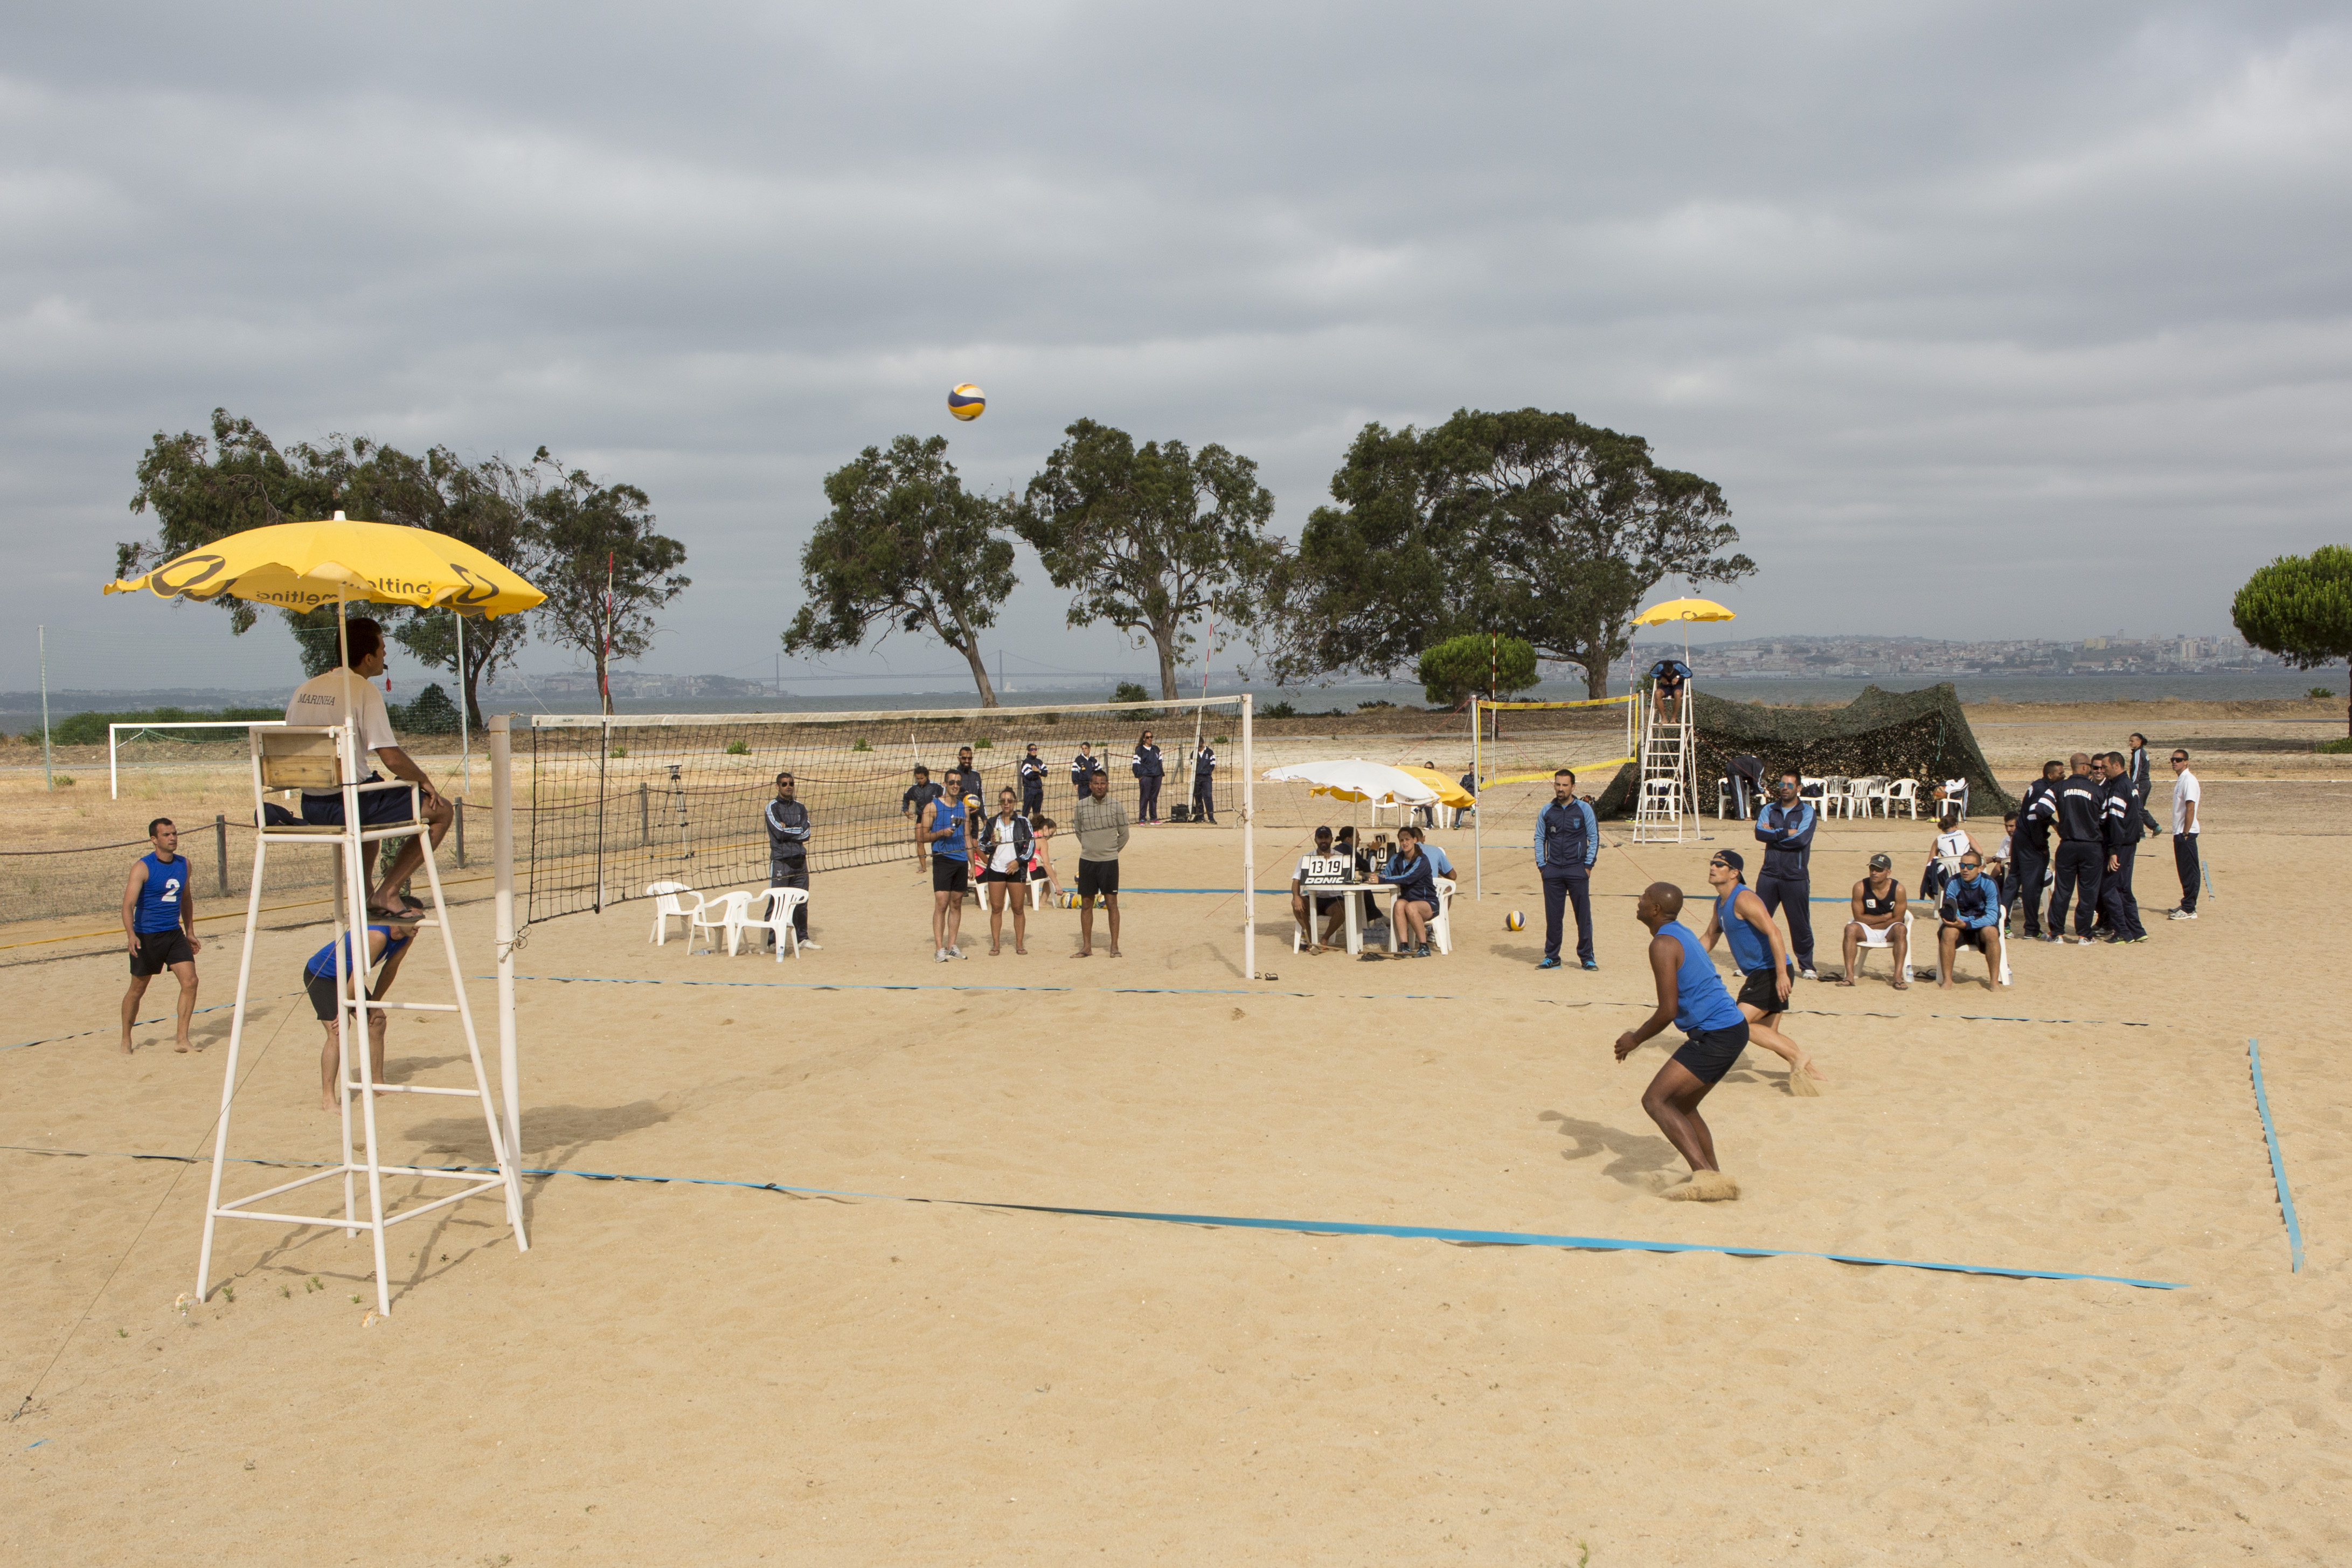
1409	871
1322	861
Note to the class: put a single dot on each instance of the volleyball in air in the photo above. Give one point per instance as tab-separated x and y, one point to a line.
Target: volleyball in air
1515	920
967	402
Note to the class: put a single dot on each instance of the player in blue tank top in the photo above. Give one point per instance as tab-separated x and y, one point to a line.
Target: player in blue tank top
946	830
387	944
159	925
1762	957
1692	998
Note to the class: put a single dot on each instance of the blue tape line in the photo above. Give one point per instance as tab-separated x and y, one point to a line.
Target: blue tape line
2278	1161
1238	1222
53	1039
1111	990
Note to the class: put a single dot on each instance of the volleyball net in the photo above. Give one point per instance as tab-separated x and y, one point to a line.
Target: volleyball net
619	802
1522	742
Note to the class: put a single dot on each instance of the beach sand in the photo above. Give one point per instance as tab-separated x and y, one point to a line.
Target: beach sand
710	1373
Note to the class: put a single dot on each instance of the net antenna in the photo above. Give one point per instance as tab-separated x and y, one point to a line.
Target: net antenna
716	772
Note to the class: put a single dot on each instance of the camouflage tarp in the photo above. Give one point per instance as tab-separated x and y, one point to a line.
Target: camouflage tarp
1917	735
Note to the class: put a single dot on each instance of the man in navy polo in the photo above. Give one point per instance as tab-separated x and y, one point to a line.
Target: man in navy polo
1568	840
1785	828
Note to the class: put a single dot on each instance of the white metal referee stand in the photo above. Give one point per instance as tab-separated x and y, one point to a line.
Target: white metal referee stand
298	757
1667	783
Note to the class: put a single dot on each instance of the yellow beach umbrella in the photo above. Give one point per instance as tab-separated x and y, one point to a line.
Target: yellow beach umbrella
1450	792
302	565
1684	611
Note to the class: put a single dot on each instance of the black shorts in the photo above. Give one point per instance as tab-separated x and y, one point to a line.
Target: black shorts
1014	876
1973	936
378	807
1709	1053
159	950
1098	877
950	875
321	988
1762	992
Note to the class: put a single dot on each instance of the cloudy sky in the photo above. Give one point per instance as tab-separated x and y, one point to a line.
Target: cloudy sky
2008	319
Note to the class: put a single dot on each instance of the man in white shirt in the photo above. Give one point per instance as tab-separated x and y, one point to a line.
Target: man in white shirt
322	701
2185	827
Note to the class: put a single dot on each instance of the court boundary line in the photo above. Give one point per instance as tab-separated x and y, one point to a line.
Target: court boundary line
2278	1160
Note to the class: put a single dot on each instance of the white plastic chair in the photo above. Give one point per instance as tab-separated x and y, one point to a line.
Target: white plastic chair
725	912
1441	924
1902	792
669	899
1883	941
1837	798
780	903
1938	964
1868	794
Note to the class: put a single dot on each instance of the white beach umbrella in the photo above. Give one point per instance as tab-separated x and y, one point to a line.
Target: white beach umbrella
1352	778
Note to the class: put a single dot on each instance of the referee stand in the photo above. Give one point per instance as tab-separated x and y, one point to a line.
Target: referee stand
318	760
1669	788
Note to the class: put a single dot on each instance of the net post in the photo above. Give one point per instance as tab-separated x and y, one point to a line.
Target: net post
1249	842
1477	817
113	776
503	925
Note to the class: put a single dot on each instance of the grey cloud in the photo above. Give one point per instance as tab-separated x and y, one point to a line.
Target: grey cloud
2058	289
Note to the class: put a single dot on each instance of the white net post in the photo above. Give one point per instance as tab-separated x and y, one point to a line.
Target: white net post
1249	842
1477	817
502	931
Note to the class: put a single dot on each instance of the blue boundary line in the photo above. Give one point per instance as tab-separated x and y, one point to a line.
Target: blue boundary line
2278	1161
1242	1222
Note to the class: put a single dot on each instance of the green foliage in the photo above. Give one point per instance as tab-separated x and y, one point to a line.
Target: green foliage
983	745
905	548
1151	539
1459	665
90	729
433	713
2300	609
2340	747
2318	693
739	748
1533	523
62	781
861	745
1128	692
620	752
1282	709
605	570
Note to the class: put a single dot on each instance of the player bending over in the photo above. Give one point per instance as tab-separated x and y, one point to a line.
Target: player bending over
319	979
1692	998
159	923
1760	955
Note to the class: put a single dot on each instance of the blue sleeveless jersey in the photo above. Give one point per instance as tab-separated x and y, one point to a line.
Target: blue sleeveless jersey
159	900
1749	951
322	962
950	815
1700	1000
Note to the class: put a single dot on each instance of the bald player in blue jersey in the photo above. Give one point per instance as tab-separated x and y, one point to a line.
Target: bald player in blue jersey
1691	997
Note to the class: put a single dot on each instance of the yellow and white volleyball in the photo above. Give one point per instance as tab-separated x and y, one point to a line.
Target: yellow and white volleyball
967	402
1515	920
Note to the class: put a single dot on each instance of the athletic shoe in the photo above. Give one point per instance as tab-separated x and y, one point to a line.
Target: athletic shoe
1421	950
954	952
811	945
2182	915
1809	975
1590	965
940	956
2045	936
1549	963
2086	940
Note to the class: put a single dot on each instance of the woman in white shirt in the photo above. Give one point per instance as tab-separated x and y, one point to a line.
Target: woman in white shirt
1005	843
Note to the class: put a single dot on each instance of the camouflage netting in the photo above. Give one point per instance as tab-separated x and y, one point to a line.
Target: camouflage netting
1917	735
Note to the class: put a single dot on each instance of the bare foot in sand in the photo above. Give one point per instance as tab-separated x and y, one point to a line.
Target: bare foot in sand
1115	953
1704	1188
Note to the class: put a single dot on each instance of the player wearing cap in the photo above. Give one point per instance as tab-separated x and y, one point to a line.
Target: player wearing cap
1880	906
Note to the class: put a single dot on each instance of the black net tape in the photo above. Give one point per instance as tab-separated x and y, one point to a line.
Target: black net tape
1919	735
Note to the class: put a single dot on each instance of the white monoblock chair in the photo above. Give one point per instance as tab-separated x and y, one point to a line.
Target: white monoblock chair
776	920
670	899
1904	793
1441	927
1870	793
723	913
1883	942
1837	798
1939	958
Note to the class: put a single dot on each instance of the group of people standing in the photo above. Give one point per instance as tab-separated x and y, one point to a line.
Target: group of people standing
2097	805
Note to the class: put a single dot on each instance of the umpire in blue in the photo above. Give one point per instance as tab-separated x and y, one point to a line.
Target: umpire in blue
1785	828
2121	820
788	836
1204	785
1568	840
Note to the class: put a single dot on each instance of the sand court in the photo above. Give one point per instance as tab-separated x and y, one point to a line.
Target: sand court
709	1372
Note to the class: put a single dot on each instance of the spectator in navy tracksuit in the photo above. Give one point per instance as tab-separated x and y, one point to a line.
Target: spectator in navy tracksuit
2029	848
1084	766
788	836
2122	823
2080	808
1568	840
1204	785
1148	770
1785	828
2142	780
1033	782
